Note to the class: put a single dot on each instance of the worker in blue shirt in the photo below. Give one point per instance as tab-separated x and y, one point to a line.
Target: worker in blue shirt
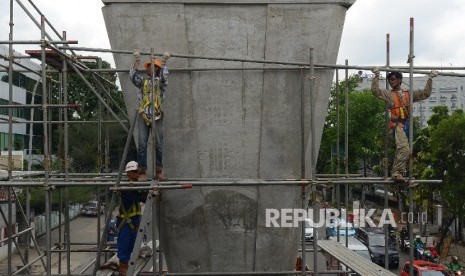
128	219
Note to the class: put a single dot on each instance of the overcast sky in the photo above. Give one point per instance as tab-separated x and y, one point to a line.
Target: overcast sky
439	29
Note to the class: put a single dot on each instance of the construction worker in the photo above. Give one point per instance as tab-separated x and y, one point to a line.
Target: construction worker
128	219
398	101
151	99
454	265
418	248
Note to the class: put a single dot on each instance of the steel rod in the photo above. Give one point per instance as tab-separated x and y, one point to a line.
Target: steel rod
39	106
217	183
63	122
10	143
37	42
410	190
46	153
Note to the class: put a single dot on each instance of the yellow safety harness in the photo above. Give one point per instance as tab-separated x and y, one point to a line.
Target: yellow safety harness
145	106
126	215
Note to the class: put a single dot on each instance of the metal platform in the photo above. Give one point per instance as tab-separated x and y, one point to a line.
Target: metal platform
351	259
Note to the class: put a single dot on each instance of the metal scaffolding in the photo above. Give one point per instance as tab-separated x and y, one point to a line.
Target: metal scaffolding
62	181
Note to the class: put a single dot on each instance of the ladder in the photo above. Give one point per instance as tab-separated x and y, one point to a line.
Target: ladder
144	245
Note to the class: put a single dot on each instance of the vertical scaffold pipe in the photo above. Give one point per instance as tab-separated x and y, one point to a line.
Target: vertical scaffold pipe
302	124
10	138
65	156
336	191
346	148
313	163
386	113
154	131
45	148
410	207
386	143
302	162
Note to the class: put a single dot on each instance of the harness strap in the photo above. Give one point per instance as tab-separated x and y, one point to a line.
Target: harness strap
146	102
126	216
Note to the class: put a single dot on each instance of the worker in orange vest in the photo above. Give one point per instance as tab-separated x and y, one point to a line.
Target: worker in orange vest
398	101
151	98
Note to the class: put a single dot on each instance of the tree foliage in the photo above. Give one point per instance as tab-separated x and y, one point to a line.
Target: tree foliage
85	157
37	197
80	93
365	125
448	159
83	142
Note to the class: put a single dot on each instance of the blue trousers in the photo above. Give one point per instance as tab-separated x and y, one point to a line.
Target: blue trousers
126	239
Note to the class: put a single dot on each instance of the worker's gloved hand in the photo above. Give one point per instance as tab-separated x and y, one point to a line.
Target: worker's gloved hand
375	70
136	54
433	74
166	56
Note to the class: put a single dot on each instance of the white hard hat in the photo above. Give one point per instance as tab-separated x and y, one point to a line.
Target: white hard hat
417	237
131	166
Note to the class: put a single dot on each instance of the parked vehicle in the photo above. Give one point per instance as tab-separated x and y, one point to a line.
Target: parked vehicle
374	239
424	268
430	254
92	208
355	245
112	233
331	230
308	230
404	246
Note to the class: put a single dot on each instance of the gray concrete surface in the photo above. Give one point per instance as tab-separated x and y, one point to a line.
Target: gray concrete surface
232	124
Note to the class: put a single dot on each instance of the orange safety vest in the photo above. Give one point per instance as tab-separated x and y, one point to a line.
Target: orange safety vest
400	110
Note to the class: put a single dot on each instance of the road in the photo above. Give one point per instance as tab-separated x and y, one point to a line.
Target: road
84	236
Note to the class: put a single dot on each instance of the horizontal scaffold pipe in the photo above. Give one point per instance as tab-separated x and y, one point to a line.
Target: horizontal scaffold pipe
293	272
38	42
2	121
73	106
281	68
76	179
317	65
339	175
378	181
151	187
219	182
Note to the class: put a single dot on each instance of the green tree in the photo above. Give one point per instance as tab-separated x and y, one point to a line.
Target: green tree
37	197
448	160
440	154
366	129
80	93
84	155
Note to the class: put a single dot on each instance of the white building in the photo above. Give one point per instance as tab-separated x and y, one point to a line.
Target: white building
23	84
447	91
